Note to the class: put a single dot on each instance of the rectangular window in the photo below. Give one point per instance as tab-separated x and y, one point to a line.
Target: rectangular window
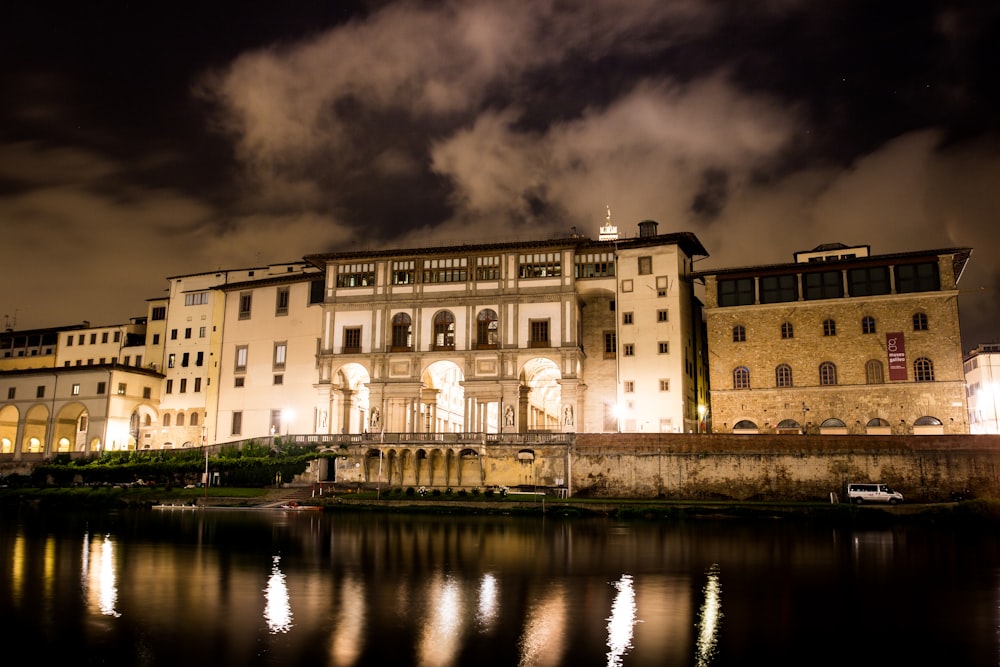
185	359
147	393
664	347
662	285
628	349
779	289
539	265
138	360
594	265
237	426
201	332
187	332
663	315
627	318
104	337
93	339
197	385
736	292
159	313
241	358
196	299
173	334
170	386
352	340
69	341
246	303
610	345
917	278
664	384
75	391
538	330
128	359
156	339
281	301
822	285
629	386
446	270
199	359
279	378
279	356
171	360
101	388
488	268
118	336
403	272
11	393
645	265
239	381
40	391
868	281
356	275
121	388
184	385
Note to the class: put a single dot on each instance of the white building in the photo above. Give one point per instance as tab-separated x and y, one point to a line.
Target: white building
982	382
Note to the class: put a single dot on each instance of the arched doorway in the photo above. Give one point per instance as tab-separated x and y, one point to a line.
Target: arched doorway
542	410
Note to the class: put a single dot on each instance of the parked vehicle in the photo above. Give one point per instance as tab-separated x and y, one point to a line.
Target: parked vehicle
872	493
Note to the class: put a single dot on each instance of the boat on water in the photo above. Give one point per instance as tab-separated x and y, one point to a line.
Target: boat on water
293	505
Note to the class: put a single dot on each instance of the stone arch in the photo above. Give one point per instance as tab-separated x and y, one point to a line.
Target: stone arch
928	425
832	426
9	417
470	468
35	430
789	426
442	399
878	426
349	402
70	428
541	406
745	426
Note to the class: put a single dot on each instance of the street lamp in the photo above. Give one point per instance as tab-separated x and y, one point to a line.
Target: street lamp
286	417
701	418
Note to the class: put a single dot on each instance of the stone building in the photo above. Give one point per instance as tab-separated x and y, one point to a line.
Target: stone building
838	342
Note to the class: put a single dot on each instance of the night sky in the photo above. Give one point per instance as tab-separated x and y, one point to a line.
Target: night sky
142	140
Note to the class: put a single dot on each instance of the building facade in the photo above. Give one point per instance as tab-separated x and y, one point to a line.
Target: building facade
982	379
838	342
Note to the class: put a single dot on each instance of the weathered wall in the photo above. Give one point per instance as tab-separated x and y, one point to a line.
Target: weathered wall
752	467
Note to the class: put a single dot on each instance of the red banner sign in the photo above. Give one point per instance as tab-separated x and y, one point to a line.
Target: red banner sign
895	347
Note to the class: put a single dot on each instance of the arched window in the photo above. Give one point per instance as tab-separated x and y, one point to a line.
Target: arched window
829	327
444	330
402	332
180	419
194	419
874	373
741	378
832	422
787	330
927	421
877	422
923	370
739	334
783	376
147	421
827	373
919	322
868	324
166	419
487	336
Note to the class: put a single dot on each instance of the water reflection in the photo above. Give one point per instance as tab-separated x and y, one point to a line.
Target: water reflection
349	623
442	629
544	627
489	601
621	622
710	618
100	579
277	610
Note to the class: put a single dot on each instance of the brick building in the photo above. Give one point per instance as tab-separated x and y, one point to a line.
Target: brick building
838	341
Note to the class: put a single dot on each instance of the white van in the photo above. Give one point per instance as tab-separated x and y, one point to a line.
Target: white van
872	493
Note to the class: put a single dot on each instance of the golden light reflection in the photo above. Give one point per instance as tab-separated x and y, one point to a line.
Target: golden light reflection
277	610
349	624
710	618
622	620
102	575
17	569
489	601
439	641
545	630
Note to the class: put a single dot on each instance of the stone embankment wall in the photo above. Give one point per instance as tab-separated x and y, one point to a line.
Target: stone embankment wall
789	467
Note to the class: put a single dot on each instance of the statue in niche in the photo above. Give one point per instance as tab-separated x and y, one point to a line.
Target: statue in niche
376	419
508	417
568	415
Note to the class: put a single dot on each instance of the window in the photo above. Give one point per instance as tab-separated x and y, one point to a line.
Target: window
237	424
194	419
170	387
185	359
101	388
352	340
196	299
594	265
823	285
867	324
147	393
662	285
184	386
159	313
118	336
246	303
919	322
279	378
627	318
783	375
156	339
874	373
488	268
402	272
829	327
166	419
199	359
538	331
239	381
75	391
11	393
104	337
627	285
487	329
869	281
138	360
317	291
610	344
629	386
645	265
121	388
917	278
736	292
187	332
241	358
281	301
446	270
356	275
402	333
93	339
663	347
444	330
197	384
69	341
741	378
664	384
180	419
787	330
539	265
739	334
663	315
923	370
779	289
827	373
40	391
279	356
628	349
